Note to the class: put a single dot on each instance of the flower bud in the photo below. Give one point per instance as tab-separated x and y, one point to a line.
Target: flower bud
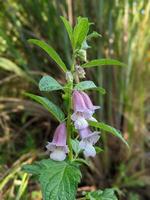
80	71
69	76
82	55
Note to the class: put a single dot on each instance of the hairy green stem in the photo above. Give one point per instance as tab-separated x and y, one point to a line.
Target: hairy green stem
69	128
69	122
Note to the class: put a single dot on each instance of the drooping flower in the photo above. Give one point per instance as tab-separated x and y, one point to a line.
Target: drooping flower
81	112
58	148
83	109
88	102
88	139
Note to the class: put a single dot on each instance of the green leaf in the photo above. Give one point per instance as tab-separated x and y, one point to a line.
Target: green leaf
87	85
98	149
50	106
32	169
94	34
68	28
48	83
101	62
107	194
109	129
81	161
50	51
80	31
75	146
58	180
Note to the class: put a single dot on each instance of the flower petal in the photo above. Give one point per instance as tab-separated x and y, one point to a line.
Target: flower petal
58	154
88	102
78	102
80	123
60	135
89	151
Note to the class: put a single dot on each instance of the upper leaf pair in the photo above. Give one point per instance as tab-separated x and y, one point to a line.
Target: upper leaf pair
79	33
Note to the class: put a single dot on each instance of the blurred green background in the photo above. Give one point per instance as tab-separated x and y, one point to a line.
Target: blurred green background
25	126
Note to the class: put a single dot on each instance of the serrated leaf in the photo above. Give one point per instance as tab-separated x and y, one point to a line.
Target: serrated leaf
58	180
68	28
48	83
50	51
109	129
107	194
94	34
50	106
101	62
87	85
80	31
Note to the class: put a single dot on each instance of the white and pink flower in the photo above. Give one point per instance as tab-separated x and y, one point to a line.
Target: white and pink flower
88	139
58	148
83	109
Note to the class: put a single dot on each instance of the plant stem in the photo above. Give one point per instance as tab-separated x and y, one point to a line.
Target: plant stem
69	122
69	129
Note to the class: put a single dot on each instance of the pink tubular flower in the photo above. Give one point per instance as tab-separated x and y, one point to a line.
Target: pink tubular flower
58	147
83	109
81	112
88	102
87	141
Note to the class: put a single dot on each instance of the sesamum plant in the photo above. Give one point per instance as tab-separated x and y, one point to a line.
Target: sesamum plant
78	131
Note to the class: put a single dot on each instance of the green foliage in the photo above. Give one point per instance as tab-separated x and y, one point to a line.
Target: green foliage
48	83
51	52
98	149
50	106
58	180
75	146
101	62
104	127
8	65
107	194
94	34
87	85
125	34
68	28
80	32
134	196
22	187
